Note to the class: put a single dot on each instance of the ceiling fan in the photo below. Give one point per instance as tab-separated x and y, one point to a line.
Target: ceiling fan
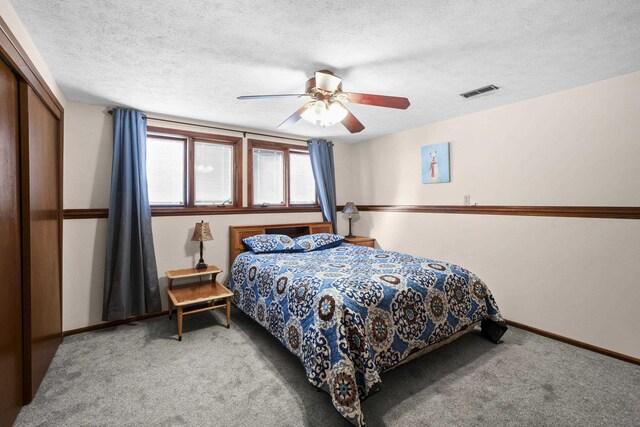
327	105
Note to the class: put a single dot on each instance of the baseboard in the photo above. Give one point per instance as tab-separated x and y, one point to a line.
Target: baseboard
113	323
610	353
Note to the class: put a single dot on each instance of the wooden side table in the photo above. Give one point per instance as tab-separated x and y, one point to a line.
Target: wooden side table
204	291
361	241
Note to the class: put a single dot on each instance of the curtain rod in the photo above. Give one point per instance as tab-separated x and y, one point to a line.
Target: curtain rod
110	111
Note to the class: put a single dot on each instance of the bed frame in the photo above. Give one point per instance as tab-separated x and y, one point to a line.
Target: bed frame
237	233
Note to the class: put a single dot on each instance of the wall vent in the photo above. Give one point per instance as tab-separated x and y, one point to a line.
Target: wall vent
479	91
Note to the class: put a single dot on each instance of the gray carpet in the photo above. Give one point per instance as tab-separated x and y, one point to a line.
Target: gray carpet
141	375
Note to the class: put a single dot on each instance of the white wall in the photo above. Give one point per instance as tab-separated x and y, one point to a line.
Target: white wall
9	16
87	173
576	277
88	150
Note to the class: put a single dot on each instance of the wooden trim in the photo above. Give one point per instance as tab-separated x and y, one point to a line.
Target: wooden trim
61	214
279	146
200	210
576	343
249	172
548	211
287	182
163	135
238	174
25	206
189	180
18	59
197	135
614	212
114	323
85	213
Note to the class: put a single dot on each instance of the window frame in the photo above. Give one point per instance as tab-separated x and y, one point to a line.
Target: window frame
190	138
286	149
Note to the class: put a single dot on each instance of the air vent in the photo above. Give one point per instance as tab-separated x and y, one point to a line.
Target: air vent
479	91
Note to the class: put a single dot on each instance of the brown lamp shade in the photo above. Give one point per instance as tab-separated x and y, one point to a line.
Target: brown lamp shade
202	232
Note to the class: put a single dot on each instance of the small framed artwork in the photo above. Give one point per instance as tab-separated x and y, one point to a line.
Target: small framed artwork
435	163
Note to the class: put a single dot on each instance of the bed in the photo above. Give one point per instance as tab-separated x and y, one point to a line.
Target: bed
351	312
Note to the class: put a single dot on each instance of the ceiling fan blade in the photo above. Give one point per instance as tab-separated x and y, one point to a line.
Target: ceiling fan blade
287	95
327	82
293	119
378	100
352	124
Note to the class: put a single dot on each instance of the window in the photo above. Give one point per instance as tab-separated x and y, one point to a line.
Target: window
213	173
191	169
268	177
165	170
280	175
303	184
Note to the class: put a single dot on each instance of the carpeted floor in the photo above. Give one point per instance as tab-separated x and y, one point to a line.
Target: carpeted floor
140	375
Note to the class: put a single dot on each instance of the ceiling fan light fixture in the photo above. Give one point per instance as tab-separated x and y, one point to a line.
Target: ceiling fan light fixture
323	114
315	112
327	106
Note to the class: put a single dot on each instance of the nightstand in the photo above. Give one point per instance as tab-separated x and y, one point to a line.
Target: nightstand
207	292
361	241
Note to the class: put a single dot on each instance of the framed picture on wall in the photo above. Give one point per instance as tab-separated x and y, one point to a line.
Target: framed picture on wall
435	163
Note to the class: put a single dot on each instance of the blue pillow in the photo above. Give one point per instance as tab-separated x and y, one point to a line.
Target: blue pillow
314	242
270	243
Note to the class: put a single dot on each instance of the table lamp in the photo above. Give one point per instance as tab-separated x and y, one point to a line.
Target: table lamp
350	209
201	233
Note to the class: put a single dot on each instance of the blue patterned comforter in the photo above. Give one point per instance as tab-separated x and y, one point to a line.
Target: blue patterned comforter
351	312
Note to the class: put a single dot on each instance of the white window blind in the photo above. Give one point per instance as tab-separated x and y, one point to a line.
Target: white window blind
213	168
302	184
165	171
268	177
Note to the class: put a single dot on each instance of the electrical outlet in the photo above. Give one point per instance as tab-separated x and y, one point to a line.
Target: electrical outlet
467	200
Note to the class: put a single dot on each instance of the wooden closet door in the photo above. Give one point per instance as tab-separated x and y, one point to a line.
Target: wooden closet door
42	292
10	251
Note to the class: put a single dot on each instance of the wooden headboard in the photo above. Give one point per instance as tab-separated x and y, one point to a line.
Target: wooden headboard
237	233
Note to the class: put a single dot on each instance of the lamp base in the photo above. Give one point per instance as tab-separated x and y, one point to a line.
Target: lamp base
349	236
201	265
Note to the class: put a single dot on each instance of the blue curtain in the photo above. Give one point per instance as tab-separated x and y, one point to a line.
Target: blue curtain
131	275
321	153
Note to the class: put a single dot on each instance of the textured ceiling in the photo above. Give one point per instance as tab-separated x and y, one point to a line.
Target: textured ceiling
193	58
